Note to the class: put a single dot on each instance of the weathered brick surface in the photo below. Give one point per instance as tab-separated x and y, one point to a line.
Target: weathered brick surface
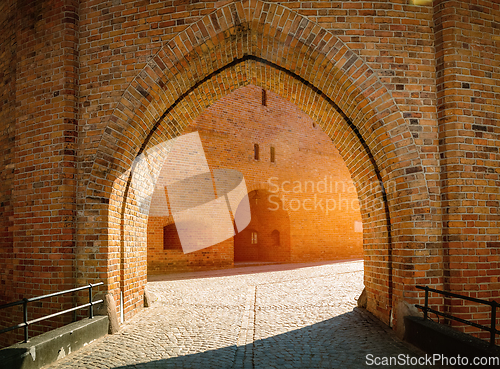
468	60
86	86
7	127
41	66
161	260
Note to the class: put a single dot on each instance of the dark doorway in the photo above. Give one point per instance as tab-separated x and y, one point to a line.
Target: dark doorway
267	237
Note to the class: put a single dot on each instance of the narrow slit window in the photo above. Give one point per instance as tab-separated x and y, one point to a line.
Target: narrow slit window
256	151
254	238
264	97
273	155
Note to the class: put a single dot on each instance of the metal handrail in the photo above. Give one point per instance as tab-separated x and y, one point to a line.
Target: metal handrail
25	302
494	305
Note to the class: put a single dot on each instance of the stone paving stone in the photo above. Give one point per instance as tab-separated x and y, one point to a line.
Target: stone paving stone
272	316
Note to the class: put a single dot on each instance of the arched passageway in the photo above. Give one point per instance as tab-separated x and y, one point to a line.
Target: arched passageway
319	75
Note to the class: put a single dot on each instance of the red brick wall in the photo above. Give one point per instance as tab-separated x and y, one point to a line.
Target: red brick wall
304	157
84	85
7	124
41	67
468	71
7	127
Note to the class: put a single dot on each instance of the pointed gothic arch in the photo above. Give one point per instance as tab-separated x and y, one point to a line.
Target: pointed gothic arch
268	45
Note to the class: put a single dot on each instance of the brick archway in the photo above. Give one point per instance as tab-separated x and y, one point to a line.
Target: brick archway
277	49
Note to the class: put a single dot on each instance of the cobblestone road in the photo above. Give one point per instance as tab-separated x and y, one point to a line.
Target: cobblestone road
273	316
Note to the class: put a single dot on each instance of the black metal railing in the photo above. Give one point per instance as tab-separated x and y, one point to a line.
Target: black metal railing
26	323
494	305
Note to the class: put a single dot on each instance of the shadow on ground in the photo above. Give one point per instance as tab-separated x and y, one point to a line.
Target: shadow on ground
341	342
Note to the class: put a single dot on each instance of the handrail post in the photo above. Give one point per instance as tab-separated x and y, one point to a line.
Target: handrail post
426	302
493	323
25	316
91	310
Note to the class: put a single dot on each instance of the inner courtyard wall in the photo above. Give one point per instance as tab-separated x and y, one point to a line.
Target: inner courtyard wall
308	179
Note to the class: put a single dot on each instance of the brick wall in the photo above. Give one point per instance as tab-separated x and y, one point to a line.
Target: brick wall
468	71
267	237
161	260
408	95
40	72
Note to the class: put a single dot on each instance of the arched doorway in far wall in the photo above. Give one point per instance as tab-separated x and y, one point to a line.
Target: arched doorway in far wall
267	237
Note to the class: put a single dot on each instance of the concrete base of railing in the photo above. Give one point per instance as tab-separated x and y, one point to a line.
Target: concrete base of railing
434	338
54	345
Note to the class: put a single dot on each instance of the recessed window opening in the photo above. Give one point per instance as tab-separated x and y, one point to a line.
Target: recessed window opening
273	155
254	238
264	97
256	151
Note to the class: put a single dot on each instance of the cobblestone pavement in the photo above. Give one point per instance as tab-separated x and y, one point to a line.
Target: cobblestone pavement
273	316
